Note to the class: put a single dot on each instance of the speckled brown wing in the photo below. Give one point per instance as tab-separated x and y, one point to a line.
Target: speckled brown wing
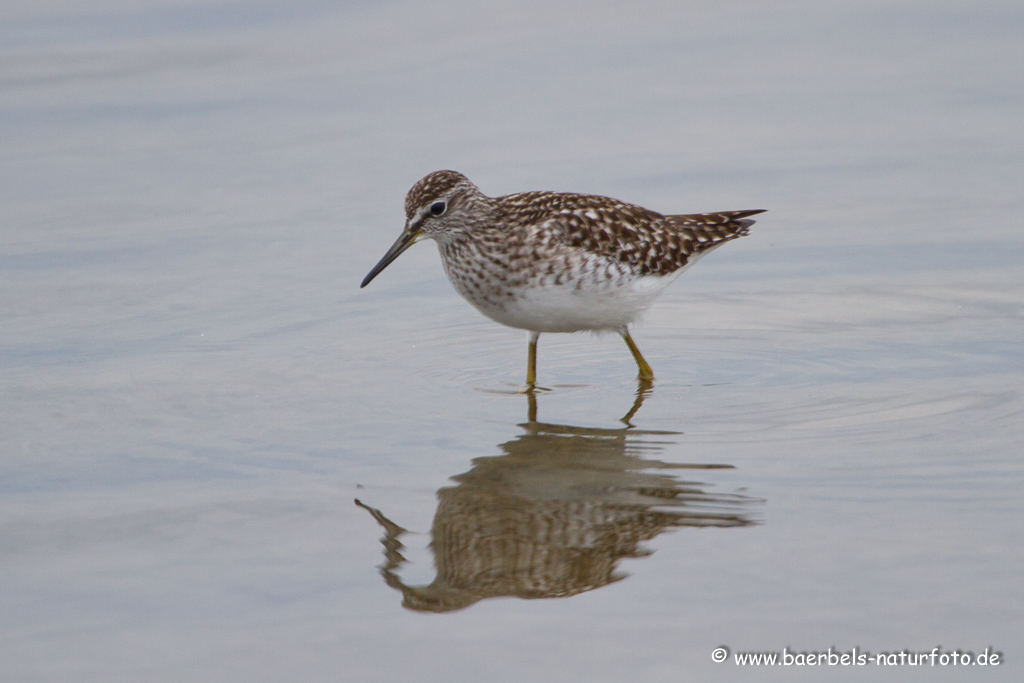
700	232
646	241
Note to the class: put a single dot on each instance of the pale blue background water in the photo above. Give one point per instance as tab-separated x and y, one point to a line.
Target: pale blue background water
194	389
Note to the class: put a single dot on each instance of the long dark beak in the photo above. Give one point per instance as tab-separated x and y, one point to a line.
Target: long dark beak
404	241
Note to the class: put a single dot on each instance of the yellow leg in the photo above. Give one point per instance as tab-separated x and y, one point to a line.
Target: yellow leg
531	361
645	369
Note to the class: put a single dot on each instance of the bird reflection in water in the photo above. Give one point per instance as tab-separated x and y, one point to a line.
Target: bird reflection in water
554	515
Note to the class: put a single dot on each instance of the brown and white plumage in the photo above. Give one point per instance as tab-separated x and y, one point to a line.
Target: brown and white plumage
554	261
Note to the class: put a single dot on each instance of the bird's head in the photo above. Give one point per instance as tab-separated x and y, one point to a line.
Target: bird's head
437	207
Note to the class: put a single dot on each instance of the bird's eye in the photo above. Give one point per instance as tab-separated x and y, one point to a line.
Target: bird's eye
438	208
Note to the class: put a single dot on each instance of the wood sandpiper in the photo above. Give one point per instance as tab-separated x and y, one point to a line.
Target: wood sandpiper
554	261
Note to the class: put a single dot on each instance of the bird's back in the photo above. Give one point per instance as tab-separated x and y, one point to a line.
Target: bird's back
645	241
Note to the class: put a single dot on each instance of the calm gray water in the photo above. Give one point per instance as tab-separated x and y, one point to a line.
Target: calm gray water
195	391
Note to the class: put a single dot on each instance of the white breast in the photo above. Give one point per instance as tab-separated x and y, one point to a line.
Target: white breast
568	308
586	292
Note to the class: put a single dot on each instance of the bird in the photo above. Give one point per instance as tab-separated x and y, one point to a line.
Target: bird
554	262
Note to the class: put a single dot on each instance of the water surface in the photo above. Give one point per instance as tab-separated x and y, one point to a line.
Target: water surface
196	392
